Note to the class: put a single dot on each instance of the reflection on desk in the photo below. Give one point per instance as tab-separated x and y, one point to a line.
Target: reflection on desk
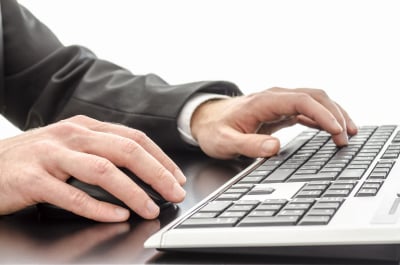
26	237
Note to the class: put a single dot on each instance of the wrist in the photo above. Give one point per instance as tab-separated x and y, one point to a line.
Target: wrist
204	115
184	118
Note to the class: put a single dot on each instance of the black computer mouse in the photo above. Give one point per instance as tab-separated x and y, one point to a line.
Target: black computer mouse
100	194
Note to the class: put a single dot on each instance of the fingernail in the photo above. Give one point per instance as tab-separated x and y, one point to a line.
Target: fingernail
179	192
338	126
269	147
152	208
122	213
179	176
352	125
344	138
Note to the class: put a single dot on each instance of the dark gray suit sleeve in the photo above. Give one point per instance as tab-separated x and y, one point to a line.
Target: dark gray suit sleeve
46	82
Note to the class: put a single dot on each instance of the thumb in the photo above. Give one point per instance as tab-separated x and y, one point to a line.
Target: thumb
255	145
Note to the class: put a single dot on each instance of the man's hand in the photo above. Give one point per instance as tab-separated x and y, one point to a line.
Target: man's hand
242	126
35	165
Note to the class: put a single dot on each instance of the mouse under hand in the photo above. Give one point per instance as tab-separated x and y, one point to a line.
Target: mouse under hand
98	193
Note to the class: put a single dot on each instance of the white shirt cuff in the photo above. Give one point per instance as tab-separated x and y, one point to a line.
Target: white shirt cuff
187	111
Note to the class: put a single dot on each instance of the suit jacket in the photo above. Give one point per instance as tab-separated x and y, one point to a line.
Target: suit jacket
42	81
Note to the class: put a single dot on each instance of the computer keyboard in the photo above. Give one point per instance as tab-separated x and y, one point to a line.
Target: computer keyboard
327	175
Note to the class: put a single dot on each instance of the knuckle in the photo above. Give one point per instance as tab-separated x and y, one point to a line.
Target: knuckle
69	133
77	118
254	98
45	146
79	199
319	93
274	89
139	136
66	128
162	175
303	97
128	146
101	166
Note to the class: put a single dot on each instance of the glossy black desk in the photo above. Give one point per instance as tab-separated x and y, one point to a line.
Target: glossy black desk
28	237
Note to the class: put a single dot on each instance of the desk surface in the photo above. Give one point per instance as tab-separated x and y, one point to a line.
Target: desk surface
26	237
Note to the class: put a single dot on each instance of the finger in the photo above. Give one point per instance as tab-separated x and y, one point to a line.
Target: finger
138	136
100	172
147	144
76	201
127	153
252	145
295	104
320	95
351	126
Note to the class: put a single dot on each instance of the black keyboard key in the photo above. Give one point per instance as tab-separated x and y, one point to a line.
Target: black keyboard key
260	213
279	175
351	174
229	197
261	190
269	221
336	193
313	177
208	222
321	212
315	220
326	205
216	206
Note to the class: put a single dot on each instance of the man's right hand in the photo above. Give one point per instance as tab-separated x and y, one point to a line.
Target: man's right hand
35	165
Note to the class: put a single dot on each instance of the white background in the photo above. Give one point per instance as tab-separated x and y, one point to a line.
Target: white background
349	48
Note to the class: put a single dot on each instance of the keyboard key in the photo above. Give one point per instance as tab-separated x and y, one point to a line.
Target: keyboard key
261	190
351	174
326	205
297	206
258	213
291	212
240	208
336	193
232	214
309	194
313	177
274	201
208	222
204	215
363	192
229	197
279	175
315	220
269	221
321	212
216	206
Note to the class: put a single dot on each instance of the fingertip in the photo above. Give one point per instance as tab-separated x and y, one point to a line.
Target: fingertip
341	139
352	127
121	214
178	193
152	210
180	177
337	128
270	147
